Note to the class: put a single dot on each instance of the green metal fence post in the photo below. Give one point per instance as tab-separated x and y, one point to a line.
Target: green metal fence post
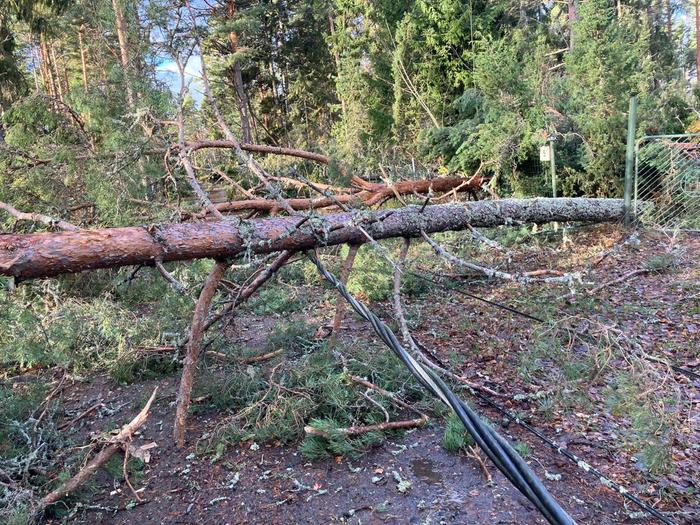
553	168
629	158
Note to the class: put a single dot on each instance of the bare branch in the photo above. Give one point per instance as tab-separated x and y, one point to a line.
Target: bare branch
339	301
114	444
357	430
258	148
179	287
398	307
201	311
37	217
523	278
620	279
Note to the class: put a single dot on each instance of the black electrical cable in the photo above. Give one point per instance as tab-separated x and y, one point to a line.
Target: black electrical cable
473	296
506	459
679	369
573	457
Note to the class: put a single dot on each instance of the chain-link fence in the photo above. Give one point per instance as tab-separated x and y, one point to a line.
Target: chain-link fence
667	181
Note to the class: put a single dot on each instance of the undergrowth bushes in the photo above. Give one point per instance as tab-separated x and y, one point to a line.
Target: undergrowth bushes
94	320
311	385
71	332
28	444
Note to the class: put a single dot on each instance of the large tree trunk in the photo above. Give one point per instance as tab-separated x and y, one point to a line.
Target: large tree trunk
120	21
237	78
56	71
47	68
83	58
49	254
697	41
573	18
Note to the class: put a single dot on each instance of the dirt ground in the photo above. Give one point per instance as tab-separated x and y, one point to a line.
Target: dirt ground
270	483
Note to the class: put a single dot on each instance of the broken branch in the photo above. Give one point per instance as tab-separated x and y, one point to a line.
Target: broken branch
37	217
113	445
201	311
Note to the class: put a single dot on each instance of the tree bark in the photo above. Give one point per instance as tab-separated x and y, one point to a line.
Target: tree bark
47	67
124	52
50	254
56	71
697	41
237	78
573	18
83	58
201	311
339	300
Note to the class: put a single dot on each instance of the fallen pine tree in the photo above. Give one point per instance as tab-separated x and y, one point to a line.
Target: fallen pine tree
49	254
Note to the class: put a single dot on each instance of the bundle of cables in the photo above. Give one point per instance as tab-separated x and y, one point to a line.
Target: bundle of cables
497	449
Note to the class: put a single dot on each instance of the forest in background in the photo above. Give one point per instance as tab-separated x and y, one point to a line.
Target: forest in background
440	87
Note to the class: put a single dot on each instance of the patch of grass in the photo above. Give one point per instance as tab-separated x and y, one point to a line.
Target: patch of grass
295	338
134	468
523	449
28	448
533	362
293	274
16	406
131	367
42	327
664	263
232	391
372	276
649	434
455	437
18	516
276	299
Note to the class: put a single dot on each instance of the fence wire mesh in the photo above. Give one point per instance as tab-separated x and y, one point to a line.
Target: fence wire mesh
667	181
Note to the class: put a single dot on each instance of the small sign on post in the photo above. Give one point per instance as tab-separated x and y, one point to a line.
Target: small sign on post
545	154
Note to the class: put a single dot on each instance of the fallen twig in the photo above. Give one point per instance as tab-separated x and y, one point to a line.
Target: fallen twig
474	453
45	403
113	445
80	416
259	358
620	279
357	430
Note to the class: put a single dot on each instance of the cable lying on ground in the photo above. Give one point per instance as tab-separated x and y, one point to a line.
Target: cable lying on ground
575	459
498	450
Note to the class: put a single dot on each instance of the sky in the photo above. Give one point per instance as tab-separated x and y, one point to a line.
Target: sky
167	72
